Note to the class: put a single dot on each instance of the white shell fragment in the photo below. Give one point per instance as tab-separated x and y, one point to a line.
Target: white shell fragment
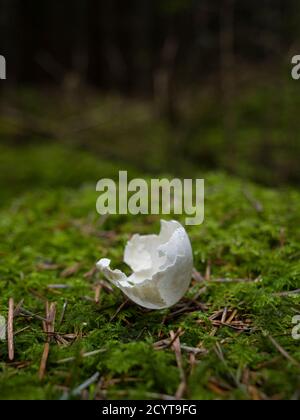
162	267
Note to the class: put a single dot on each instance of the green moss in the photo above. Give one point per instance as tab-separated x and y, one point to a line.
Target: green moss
58	226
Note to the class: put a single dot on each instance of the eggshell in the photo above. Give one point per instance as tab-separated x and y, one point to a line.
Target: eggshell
162	267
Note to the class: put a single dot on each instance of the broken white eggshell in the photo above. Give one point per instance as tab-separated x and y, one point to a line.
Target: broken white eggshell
162	267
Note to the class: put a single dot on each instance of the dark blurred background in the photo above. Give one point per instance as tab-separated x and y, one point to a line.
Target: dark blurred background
172	86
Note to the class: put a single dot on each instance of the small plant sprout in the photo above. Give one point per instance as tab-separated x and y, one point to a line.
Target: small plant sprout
162	267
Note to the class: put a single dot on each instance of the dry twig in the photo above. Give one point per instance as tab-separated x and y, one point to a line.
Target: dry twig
98	289
63	313
175	340
70	271
10	330
283	352
85	355
119	309
289	293
48	327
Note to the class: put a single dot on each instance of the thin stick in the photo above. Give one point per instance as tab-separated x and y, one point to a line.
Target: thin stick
232	316
187	308
98	289
25	312
213	332
254	203
197	276
290	293
283	352
193	350
175	336
162	325
91	353
90	273
224	315
208	271
43	364
177	350
21	330
45	354
119	309
243	327
216	315
10	330
149	395
18	308
163	344
106	286
63	313
49	329
86	384
219	352
52	315
231	280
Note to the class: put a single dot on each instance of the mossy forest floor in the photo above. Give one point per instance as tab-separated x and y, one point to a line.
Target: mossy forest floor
235	323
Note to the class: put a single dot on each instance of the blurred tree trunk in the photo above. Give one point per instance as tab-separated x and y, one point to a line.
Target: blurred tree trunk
141	44
79	54
227	69
113	54
164	81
